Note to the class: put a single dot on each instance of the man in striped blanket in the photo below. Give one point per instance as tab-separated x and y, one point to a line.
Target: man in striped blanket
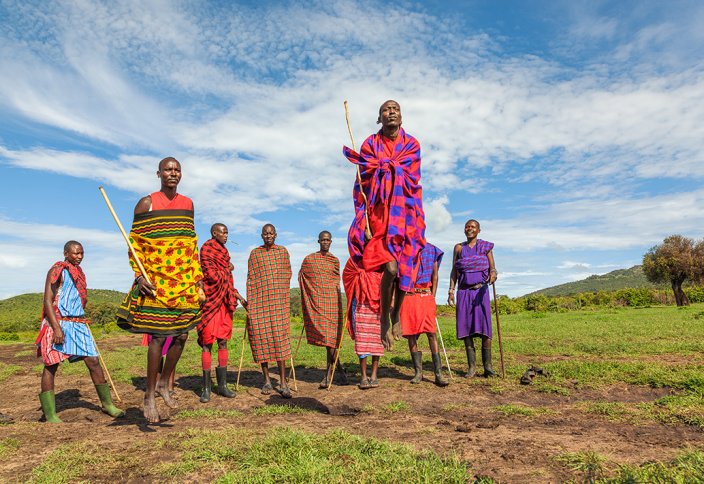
168	304
64	332
389	165
268	304
319	280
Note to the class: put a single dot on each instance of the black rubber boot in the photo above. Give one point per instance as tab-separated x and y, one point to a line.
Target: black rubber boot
417	358
471	360
486	361
48	402
207	385
437	368
223	391
106	401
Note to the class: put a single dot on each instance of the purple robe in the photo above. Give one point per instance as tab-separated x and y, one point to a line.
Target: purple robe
473	305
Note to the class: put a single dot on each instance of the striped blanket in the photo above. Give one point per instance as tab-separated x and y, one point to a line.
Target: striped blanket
217	279
319	280
167	245
268	295
475	263
393	181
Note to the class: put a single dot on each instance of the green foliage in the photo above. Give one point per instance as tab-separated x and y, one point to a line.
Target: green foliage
7	370
590	465
277	409
208	413
8	447
512	409
612	281
399	406
67	462
687	468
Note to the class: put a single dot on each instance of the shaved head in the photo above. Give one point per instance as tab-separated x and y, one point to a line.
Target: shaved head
166	160
387	102
71	243
216	226
324	232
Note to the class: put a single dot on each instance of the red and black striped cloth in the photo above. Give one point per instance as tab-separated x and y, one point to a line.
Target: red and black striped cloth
218	283
319	280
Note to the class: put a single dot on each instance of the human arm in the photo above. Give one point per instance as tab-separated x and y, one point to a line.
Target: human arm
240	299
434	278
493	275
453	275
51	288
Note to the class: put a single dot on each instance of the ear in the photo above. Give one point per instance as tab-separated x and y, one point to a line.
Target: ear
378	120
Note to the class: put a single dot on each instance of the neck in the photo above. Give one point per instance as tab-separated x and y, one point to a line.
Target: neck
324	251
169	192
471	240
390	132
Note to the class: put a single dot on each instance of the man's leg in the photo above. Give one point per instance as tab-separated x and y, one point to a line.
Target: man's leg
437	362
172	357
471	356
416	358
364	381
374	380
206	361
486	357
267	387
399	295
388	280
283	384
101	386
153	362
330	355
46	397
221	370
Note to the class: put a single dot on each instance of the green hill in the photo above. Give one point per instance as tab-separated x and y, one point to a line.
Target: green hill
612	281
23	312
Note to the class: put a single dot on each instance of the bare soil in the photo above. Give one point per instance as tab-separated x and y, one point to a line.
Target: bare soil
460	420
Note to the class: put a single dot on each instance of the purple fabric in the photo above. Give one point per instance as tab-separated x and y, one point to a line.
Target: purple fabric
428	256
167	344
473	305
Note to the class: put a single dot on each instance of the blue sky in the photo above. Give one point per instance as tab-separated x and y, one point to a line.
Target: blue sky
573	131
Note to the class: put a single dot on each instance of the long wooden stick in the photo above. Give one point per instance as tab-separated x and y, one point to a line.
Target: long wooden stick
293	372
107	372
295	355
498	331
239	368
367	229
124	234
442	343
337	353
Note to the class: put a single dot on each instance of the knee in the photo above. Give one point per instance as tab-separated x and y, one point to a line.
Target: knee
469	342
181	339
92	362
391	268
222	344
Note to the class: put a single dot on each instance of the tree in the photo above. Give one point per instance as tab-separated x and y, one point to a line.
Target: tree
676	260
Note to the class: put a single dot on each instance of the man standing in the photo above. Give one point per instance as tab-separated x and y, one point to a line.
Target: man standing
389	165
64	333
222	298
418	313
168	304
319	280
268	295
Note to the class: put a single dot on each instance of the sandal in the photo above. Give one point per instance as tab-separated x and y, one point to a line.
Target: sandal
323	383
267	389
528	376
374	383
284	392
364	384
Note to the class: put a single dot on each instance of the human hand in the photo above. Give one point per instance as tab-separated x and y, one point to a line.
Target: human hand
58	336
493	275
231	267
451	298
144	287
201	296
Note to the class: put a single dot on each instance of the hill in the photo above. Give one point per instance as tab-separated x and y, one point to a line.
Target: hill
612	281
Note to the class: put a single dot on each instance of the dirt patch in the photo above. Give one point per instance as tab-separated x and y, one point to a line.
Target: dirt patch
460	420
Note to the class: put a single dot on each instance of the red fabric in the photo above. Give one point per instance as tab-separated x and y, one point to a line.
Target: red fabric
222	357
206	360
218	327
418	314
218	283
361	286
161	202
45	348
79	279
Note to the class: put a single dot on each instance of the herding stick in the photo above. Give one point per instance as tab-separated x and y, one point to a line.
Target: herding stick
124	234
337	353
443	348
295	355
498	331
293	372
107	372
239	369
367	229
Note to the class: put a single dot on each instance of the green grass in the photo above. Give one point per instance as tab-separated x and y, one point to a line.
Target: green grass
278	409
6	371
613	411
287	455
206	413
67	463
394	407
688	468
8	446
589	465
513	409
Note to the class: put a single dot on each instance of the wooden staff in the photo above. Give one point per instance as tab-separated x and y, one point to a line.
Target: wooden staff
498	331
337	355
293	372
295	355
367	228
124	234
107	372
443	348
239	369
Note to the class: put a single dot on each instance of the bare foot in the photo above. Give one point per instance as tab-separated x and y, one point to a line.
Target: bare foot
385	329
284	391
150	411
165	394
267	388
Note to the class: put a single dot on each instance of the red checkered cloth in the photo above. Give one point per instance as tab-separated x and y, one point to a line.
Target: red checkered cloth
217	280
319	280
367	328
268	294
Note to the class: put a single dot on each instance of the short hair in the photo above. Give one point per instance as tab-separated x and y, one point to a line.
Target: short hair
324	232
475	221
166	160
268	225
389	101
215	226
71	243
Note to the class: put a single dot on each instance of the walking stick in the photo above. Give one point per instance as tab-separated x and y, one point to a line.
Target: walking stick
337	353
239	369
107	372
498	331
295	355
367	229
124	234
293	372
443	348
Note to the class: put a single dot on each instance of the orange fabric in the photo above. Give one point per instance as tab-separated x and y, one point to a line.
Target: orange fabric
162	202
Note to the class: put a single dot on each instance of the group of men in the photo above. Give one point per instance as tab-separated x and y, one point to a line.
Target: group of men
390	281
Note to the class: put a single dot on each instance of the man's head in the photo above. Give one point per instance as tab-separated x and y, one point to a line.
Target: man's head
169	172
324	239
219	232
389	115
73	252
472	228
269	235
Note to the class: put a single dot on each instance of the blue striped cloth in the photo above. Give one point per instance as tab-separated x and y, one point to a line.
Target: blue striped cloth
78	340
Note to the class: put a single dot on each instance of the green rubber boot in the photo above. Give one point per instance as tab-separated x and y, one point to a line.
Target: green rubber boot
106	401
48	402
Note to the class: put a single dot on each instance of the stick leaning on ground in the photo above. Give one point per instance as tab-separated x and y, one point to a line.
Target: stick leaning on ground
498	331
239	368
442	343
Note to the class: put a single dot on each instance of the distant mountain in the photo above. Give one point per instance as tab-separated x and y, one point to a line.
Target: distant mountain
618	279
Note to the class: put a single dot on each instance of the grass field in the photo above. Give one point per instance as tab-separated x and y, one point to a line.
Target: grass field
623	402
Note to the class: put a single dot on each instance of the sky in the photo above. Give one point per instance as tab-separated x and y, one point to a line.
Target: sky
572	130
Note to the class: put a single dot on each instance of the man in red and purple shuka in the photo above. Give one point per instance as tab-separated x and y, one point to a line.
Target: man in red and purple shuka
389	165
222	298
